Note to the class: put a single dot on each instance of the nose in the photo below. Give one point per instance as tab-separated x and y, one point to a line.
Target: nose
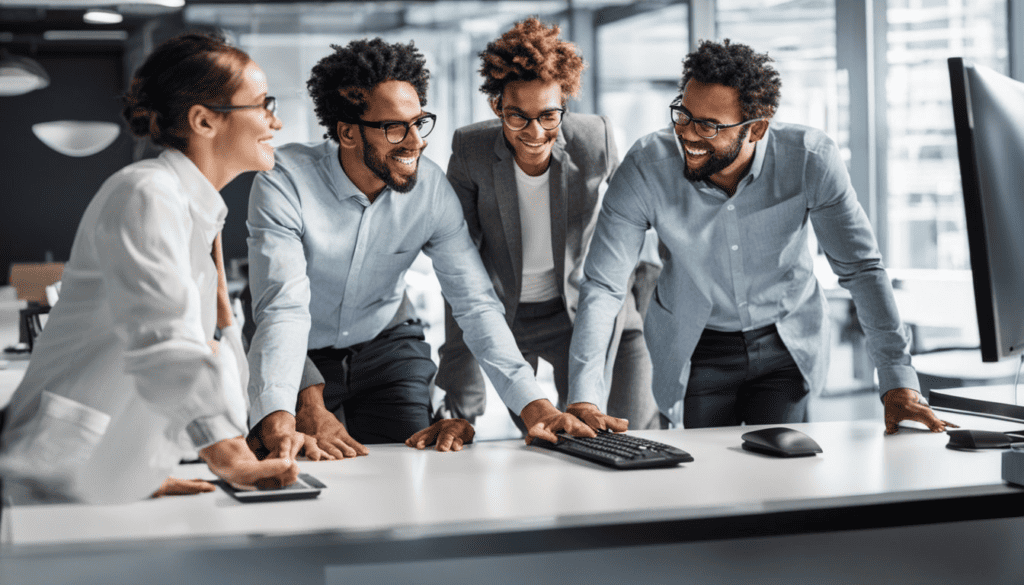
413	140
688	132
275	122
533	128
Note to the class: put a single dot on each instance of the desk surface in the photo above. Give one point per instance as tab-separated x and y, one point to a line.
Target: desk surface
399	494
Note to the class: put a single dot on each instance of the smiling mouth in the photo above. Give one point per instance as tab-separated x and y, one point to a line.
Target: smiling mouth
695	151
408	161
532	144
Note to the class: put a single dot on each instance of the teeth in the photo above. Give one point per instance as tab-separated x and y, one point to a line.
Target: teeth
405	161
695	152
533	144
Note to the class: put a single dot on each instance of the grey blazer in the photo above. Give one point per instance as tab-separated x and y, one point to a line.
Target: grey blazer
481	171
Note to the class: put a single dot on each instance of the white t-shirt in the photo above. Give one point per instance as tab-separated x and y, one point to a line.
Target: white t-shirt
540	283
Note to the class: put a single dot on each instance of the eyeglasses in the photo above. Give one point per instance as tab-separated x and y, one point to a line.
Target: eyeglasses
704	128
396	132
548	120
269	104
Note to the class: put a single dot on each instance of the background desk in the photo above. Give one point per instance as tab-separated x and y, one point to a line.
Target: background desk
870	508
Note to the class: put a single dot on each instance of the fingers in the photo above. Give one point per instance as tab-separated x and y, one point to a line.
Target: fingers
284	449
603	422
576	427
173	486
313	450
273	473
419	439
444	442
540	431
355	446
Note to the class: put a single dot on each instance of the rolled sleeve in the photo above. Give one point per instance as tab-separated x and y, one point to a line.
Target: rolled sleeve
280	293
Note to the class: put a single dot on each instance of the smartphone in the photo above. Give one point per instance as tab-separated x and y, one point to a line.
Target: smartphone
305	488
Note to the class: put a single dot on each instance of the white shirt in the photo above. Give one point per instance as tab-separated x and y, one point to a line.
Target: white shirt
123	366
540	283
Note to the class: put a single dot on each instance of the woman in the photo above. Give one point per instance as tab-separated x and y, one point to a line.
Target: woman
126	377
530	183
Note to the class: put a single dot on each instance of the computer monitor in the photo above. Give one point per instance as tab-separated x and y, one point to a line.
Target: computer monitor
988	112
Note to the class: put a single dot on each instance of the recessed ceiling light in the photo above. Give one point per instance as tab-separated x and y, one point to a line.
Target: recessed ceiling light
102	17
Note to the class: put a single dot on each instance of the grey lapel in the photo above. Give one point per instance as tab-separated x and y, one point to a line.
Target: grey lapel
508	207
558	181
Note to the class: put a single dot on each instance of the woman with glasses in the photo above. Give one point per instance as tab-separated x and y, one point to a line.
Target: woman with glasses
127	378
530	184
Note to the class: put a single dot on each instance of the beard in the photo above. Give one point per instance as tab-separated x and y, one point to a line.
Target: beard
377	163
717	162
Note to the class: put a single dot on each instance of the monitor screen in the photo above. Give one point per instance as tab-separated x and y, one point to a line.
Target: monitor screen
988	112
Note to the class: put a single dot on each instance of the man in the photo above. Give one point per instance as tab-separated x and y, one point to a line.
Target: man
333	228
738	324
530	184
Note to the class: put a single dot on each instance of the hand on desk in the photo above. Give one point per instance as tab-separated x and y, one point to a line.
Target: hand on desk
595	419
907	404
233	461
313	419
275	437
543	420
450	434
173	486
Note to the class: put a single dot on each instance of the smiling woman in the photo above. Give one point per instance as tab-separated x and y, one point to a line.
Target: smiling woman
127	364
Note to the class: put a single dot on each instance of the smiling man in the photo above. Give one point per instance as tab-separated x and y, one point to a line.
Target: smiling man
530	183
738	327
333	229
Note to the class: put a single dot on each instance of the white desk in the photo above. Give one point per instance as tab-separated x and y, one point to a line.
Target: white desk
503	510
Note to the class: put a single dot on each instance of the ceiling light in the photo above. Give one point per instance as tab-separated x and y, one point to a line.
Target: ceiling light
102	17
20	75
76	138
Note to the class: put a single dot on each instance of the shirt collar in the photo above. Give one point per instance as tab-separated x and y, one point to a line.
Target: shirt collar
344	187
205	203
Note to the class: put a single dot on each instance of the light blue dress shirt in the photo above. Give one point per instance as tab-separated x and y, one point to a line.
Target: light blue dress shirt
327	268
736	263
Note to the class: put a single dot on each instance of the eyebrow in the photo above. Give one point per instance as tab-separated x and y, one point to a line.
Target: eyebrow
542	112
689	113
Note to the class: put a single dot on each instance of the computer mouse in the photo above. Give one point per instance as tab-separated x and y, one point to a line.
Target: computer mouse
965	439
780	442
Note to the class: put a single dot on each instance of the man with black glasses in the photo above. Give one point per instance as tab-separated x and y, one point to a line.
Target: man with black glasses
530	183
738	327
333	229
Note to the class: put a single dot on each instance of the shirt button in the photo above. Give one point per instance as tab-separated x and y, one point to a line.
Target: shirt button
734	248
731	207
345	333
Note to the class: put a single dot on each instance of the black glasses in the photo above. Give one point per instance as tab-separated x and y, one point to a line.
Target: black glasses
548	120
269	104
396	132
704	128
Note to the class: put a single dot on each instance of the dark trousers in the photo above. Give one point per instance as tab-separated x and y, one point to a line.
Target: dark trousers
743	377
380	389
543	330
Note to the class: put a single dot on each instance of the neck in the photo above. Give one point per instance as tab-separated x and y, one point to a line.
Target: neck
534	169
211	167
728	179
363	178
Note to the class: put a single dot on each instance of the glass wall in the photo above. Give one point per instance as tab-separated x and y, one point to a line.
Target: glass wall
926	216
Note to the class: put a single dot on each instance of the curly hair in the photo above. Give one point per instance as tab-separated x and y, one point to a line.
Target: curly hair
191	68
737	66
528	51
341	82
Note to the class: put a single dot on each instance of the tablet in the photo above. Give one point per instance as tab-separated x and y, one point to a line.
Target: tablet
305	488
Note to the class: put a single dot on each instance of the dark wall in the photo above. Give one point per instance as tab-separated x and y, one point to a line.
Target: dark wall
43	193
236	196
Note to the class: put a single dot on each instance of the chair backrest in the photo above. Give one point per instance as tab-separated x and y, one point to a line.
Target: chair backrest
31	280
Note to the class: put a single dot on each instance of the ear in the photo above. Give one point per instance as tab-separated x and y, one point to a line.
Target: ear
494	106
202	121
348	135
758	130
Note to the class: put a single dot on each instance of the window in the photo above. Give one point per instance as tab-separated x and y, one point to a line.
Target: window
926	217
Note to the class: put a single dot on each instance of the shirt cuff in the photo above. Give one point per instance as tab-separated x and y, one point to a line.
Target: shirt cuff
270	400
520	393
890	377
207	430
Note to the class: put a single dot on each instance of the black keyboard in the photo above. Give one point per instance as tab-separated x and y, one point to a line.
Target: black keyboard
618	450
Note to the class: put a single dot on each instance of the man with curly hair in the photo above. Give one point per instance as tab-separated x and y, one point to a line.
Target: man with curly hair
333	228
738	328
530	183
